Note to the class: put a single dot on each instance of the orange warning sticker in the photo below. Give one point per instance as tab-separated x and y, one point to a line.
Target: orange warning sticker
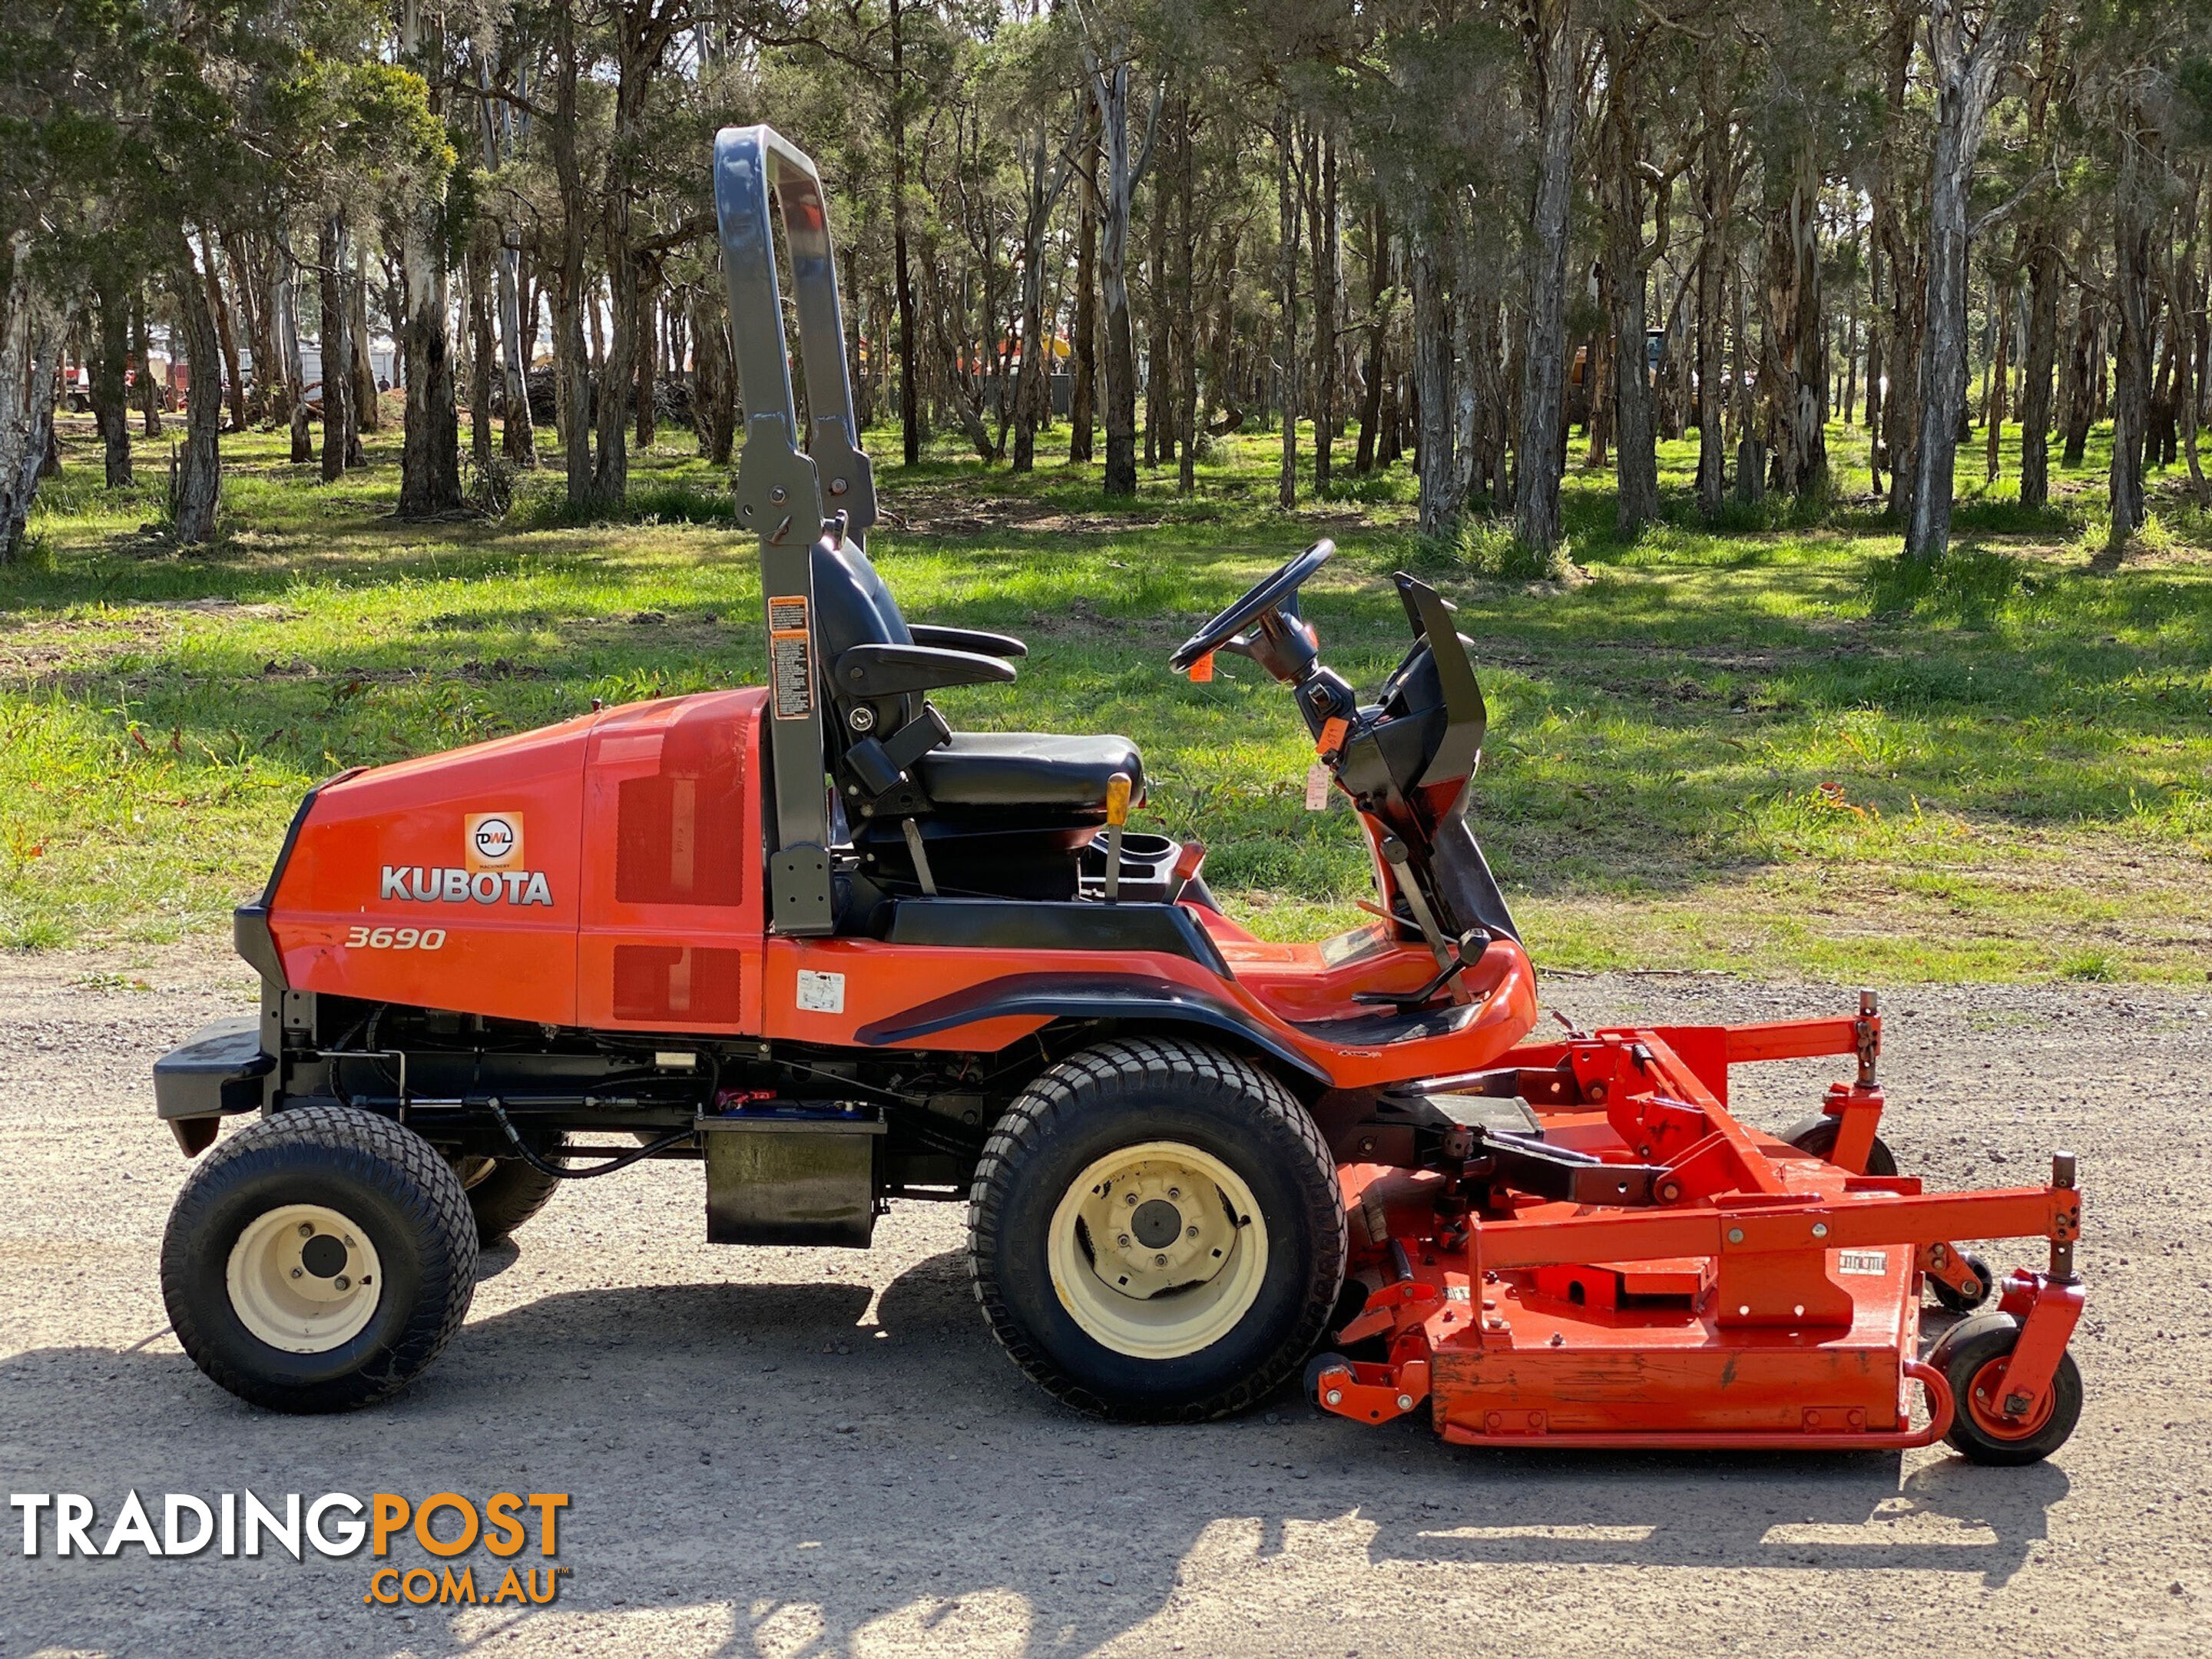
791	656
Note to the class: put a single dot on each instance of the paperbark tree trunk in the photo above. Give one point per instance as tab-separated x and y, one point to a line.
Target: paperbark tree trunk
430	453
109	412
1082	413
901	268
1966	80
226	341
148	393
1796	378
31	334
483	346
199	473
571	361
1543	369
1715	205
337	352
1119	175
284	309
1438	502
1286	306
1328	283
1378	326
2130	289
714	390
2043	285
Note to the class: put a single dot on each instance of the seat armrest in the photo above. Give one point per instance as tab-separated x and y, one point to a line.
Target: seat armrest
891	671
967	639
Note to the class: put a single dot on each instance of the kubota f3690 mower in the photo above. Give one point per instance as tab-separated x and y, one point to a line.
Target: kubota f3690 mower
809	938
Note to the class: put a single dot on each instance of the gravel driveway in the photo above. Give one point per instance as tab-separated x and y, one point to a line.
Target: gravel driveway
798	1452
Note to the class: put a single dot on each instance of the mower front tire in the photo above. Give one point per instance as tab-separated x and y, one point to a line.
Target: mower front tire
1972	1355
319	1260
1156	1232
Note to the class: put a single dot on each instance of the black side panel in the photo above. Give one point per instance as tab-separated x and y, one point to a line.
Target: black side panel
1461	878
996	924
1087	996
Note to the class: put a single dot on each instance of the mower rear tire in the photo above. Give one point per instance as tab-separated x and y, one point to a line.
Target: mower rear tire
1817	1135
1970	1355
510	1193
1156	1232
319	1260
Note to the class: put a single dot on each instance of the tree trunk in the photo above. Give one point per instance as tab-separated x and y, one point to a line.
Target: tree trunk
483	344
1543	368
1796	377
368	405
147	391
1378	326
284	304
571	292
2043	285
108	408
1432	364
200	476
32	330
336	352
901	269
1626	264
1715	205
2130	289
1042	188
1185	306
1328	283
1109	88
1964	82
1286	306
714	388
233	382
1082	416
648	354
1993	408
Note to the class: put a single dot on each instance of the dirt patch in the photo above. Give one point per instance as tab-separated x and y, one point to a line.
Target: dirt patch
789	1452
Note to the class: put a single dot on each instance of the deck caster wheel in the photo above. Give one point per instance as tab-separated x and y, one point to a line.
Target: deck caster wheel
1155	1231
319	1260
506	1192
1317	1368
1971	1354
1817	1135
1959	1300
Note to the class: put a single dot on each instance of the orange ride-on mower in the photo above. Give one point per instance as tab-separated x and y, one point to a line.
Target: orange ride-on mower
813	940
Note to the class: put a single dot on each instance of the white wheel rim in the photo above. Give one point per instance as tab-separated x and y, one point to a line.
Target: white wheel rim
1144	1285
304	1278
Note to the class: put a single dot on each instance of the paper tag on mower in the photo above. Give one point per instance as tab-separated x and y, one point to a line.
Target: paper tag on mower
1318	787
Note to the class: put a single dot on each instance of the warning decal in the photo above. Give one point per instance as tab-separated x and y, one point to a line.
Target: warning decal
791	656
1862	1262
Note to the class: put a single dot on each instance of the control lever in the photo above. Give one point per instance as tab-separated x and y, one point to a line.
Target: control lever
1117	814
1465	954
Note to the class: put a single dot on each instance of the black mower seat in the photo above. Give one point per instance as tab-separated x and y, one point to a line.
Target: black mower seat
995	771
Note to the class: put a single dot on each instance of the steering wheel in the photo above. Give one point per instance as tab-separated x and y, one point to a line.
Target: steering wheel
1268	596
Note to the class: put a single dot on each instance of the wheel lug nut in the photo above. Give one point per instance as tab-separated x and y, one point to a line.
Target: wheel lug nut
1174	1192
1159	1260
295	1272
1123	1241
307	1230
343	1283
1191	1233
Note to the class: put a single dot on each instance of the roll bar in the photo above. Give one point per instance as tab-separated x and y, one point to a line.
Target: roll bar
784	494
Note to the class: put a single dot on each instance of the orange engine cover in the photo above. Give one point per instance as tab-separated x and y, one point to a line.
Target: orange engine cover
604	872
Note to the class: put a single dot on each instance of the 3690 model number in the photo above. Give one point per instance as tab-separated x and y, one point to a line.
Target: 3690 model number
396	939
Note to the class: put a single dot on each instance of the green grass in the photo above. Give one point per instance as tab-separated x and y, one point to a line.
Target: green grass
1769	748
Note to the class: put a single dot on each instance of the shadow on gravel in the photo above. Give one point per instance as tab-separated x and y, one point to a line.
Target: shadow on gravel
778	1469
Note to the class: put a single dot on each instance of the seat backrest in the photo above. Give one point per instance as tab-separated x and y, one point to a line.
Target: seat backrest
852	605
